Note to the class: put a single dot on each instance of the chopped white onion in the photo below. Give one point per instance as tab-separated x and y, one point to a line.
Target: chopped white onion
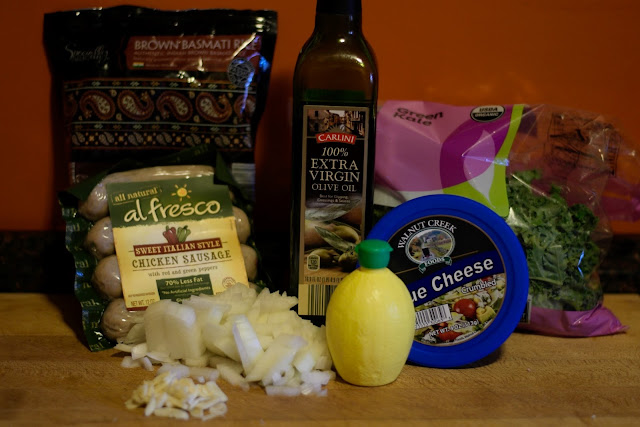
139	350
238	335
146	364
128	362
247	342
229	374
278	390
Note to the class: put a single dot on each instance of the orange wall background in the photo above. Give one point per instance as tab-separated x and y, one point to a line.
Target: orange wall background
576	53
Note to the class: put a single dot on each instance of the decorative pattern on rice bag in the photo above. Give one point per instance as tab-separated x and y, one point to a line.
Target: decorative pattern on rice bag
134	82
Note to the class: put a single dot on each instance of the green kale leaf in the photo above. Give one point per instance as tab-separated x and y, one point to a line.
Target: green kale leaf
556	238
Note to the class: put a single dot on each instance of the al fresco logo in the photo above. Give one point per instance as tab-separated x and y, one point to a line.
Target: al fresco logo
98	54
336	137
431	244
155	209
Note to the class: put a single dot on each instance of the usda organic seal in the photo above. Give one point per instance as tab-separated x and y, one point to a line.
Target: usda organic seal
487	113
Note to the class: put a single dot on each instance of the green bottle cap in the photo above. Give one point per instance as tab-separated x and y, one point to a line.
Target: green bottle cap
373	253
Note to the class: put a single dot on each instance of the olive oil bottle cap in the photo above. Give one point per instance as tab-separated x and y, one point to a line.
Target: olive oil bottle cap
373	253
339	7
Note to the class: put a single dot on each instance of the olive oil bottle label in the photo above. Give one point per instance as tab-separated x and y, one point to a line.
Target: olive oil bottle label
333	189
174	238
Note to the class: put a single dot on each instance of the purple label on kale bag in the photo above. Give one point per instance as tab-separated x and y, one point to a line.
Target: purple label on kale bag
442	145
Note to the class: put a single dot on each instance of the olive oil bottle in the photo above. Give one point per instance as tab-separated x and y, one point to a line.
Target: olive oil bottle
335	89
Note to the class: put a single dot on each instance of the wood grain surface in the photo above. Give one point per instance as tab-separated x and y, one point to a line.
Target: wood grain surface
48	376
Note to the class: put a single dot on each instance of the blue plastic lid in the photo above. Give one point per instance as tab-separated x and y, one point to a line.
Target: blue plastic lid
466	272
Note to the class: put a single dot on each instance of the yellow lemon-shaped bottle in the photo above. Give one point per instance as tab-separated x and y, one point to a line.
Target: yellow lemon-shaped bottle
370	320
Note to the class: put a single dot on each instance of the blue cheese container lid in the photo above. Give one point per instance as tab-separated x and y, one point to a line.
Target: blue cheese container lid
466	272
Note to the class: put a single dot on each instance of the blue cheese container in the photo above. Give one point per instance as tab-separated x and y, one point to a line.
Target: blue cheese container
466	272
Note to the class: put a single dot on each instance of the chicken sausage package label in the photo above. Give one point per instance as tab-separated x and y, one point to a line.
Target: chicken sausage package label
555	175
173	239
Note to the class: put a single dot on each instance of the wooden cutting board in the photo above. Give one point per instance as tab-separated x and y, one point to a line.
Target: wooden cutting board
48	376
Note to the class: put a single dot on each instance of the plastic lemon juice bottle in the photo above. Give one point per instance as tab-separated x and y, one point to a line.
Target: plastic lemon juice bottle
370	320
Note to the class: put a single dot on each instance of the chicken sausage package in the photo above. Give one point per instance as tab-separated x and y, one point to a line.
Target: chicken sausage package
141	232
135	82
556	175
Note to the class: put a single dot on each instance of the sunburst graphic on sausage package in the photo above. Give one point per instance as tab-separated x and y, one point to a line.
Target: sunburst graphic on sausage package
182	192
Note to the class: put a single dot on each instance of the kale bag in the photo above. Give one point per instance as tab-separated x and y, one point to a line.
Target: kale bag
544	169
134	82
